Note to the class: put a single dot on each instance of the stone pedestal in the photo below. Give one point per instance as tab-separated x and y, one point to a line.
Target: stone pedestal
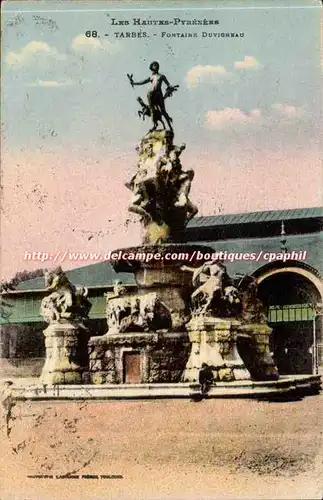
160	273
66	353
253	345
162	356
148	323
214	342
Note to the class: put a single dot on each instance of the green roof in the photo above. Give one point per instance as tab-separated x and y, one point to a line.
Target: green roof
256	217
103	275
311	243
100	274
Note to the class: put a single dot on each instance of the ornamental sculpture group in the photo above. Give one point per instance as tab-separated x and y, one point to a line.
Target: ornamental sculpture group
160	187
181	321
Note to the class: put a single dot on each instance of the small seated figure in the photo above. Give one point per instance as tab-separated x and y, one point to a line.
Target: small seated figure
206	377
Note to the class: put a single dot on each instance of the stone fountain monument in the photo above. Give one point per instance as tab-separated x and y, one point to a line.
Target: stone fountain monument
183	316
186	317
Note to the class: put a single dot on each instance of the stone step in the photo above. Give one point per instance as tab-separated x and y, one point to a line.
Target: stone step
302	384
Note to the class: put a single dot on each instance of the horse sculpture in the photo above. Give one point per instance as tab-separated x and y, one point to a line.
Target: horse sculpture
65	301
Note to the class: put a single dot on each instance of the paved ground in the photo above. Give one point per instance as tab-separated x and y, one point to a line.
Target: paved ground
178	449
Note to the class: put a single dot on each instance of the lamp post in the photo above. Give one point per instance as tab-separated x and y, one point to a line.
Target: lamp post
318	311
283	239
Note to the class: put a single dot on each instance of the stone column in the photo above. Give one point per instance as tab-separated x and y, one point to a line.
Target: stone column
214	343
66	353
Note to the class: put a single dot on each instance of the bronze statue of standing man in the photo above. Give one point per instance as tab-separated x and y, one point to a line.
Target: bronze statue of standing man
156	99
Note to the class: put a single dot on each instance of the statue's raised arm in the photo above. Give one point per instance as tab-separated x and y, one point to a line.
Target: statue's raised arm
132	82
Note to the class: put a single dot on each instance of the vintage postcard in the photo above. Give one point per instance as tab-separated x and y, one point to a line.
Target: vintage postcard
161	250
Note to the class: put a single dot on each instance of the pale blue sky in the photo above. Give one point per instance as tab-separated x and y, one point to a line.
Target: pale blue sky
96	97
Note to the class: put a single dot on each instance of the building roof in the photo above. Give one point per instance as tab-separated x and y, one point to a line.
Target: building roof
95	275
257	217
103	275
310	243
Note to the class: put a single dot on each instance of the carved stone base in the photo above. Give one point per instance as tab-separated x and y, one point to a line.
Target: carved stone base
66	354
159	278
253	346
214	342
161	357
